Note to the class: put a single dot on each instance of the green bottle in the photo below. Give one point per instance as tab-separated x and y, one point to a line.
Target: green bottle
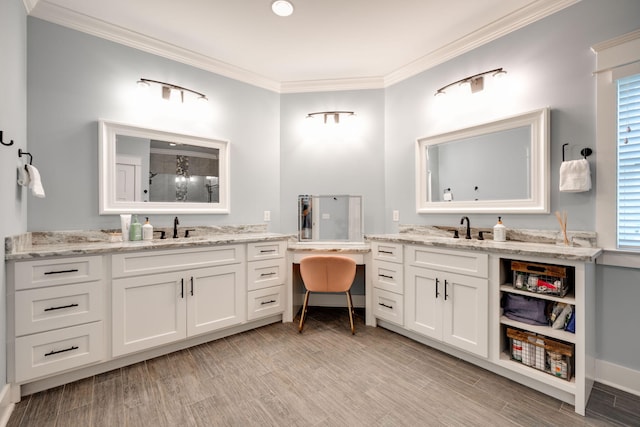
135	232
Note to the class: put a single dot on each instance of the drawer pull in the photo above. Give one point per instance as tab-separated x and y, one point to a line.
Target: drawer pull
74	270
268	274
267	251
52	352
445	290
61	307
437	283
182	288
267	302
385	252
384	276
386	306
191	285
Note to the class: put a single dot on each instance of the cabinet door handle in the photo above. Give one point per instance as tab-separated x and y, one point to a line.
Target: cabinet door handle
60	307
386	252
267	302
74	270
386	306
52	352
384	276
267	251
191	285
267	274
182	288
445	289
437	283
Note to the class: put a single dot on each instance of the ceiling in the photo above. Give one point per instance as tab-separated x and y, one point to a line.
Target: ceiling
324	45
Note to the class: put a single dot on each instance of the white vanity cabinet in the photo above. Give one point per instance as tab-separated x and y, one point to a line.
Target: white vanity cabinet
56	315
446	297
159	297
266	277
388	282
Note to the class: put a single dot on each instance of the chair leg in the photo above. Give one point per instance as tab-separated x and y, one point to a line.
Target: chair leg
350	305
304	311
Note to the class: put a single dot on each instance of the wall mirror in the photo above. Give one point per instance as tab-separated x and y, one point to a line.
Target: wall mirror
152	171
497	167
331	218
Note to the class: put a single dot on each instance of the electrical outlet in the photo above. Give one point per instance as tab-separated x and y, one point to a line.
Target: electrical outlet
396	215
267	215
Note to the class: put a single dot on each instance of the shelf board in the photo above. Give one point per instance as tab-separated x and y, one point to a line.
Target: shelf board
568	299
547	331
559	383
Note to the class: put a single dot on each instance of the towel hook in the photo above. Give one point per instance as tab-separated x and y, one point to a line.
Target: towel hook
563	146
20	153
6	144
586	152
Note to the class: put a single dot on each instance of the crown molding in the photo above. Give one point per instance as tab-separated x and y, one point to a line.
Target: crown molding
95	27
86	24
332	85
486	34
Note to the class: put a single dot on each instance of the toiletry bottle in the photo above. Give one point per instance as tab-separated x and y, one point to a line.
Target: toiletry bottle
135	231
147	230
499	231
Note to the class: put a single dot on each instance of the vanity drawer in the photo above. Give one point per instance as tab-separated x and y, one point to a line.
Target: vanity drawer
44	309
387	251
266	273
388	275
58	271
266	250
461	262
388	306
266	302
51	352
151	262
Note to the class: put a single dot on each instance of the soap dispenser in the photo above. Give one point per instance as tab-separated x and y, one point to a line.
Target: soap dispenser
499	231
147	230
135	231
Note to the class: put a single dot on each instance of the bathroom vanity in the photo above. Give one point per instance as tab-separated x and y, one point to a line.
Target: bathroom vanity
77	309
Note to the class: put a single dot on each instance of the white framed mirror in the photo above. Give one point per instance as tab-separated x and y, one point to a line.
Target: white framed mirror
496	167
146	170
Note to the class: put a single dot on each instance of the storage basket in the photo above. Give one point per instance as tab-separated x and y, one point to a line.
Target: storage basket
542	353
541	278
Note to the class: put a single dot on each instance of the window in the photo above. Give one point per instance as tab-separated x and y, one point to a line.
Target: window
618	163
628	229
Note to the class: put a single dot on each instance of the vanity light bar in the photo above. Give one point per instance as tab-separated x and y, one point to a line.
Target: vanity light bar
167	88
335	115
475	81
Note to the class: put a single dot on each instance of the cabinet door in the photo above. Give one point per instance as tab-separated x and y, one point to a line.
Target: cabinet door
215	298
423	308
466	313
148	311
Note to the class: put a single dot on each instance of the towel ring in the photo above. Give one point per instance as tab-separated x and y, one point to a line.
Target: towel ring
585	152
20	153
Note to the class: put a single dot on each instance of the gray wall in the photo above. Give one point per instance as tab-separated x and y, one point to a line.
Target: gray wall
13	121
76	79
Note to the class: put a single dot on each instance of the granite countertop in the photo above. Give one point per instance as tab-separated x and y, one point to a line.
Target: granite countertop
575	253
74	243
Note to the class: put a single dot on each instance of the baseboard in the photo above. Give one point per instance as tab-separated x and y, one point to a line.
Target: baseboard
6	406
617	376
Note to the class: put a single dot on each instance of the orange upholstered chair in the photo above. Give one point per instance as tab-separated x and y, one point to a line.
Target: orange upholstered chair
327	273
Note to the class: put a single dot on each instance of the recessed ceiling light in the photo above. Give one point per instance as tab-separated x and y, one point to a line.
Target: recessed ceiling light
282	8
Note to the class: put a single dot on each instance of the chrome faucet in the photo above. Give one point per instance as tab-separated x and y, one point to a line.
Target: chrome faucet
468	233
175	227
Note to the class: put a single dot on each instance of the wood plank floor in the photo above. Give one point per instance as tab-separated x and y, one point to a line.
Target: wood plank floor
274	376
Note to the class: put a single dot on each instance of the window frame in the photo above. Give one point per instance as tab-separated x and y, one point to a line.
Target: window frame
615	58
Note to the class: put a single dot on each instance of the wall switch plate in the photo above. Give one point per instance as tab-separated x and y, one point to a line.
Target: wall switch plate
396	215
267	215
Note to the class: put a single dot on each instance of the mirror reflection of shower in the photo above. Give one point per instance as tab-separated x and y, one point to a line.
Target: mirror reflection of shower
211	184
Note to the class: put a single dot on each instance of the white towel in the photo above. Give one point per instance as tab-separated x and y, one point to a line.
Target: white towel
34	181
575	176
23	176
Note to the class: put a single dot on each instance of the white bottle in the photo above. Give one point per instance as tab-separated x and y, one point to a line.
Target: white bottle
147	230
499	231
